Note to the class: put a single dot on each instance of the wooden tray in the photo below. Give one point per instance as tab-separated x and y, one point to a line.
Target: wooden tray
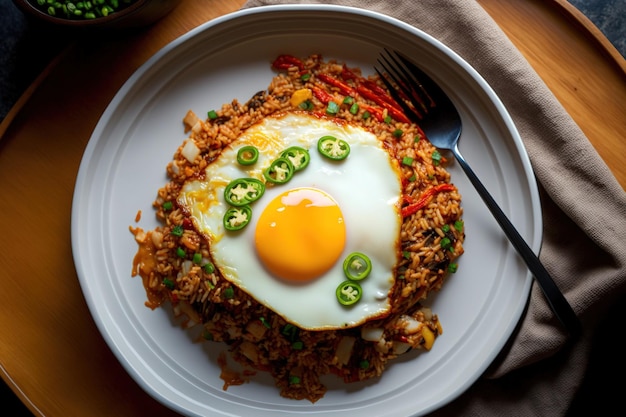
51	353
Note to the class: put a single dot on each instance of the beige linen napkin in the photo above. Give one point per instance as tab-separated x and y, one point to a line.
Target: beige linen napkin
584	212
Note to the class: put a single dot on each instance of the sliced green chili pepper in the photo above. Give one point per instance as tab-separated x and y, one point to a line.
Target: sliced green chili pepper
236	218
354	109
407	160
299	157
280	171
357	266
247	155
243	191
348	293
333	148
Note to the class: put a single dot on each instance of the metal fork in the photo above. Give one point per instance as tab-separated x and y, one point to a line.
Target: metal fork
435	113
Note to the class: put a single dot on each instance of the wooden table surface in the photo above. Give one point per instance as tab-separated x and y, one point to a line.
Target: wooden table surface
51	353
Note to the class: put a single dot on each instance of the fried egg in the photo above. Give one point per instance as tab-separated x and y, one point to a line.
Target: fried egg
290	255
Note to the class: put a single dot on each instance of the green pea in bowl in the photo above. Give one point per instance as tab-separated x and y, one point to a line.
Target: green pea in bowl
102	14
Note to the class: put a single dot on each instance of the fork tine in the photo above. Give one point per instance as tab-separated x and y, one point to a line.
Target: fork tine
404	71
411	113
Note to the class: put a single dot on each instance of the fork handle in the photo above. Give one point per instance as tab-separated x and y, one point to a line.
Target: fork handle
554	296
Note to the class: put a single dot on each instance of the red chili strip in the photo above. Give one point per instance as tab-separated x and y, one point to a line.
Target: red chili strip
374	111
393	110
287	61
321	95
344	88
421	202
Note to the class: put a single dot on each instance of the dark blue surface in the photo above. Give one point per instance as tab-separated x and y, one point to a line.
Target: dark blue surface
25	50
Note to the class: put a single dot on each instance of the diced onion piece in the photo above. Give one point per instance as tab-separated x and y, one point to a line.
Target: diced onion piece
190	151
190	120
249	350
344	349
372	334
197	127
410	325
256	329
401	347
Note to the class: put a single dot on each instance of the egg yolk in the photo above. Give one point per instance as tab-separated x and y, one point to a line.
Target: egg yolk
300	234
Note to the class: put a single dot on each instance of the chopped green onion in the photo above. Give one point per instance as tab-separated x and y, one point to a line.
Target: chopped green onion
197	258
297	345
294	380
387	119
416	139
445	243
265	322
180	252
436	156
305	76
348	100
354	109
366	115
453	268
208	268
408	161
306	105
413	178
168	283
177	230
332	108
406	254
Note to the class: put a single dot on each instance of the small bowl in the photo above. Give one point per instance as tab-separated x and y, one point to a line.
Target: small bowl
138	14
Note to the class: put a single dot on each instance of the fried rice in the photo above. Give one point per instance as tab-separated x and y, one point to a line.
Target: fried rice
431	236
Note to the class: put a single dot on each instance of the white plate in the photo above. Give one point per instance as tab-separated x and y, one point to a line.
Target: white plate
124	165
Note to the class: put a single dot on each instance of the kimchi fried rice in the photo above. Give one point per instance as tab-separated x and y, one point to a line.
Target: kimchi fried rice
176	267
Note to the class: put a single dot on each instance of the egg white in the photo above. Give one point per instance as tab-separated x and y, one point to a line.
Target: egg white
366	187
